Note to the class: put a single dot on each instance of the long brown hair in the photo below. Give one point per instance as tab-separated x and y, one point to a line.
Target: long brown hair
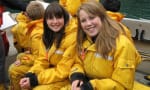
106	39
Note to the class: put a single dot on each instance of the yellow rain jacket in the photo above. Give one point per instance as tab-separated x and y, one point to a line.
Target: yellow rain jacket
33	39
56	64
72	5
115	15
114	73
127	31
34	34
19	32
118	17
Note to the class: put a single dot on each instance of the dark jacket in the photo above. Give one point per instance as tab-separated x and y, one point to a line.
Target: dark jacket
2	60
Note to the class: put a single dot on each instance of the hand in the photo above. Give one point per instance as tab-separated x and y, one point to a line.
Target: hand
25	83
17	62
27	52
76	85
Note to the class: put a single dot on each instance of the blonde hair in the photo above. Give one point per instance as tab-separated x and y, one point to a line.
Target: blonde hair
110	30
35	10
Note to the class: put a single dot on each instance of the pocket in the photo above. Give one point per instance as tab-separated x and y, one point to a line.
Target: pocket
126	64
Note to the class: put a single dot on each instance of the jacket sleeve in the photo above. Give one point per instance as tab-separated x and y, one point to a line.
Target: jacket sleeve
124	68
59	72
77	72
35	42
41	62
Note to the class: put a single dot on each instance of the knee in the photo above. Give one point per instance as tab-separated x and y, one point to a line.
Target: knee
12	71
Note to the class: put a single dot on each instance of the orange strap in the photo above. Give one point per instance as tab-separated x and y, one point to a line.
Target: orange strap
83	54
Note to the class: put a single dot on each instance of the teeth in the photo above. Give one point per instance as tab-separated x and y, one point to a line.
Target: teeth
90	28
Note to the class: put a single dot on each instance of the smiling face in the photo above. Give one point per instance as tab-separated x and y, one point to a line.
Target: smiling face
90	24
55	23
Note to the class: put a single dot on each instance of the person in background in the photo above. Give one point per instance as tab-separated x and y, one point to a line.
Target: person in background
2	65
51	70
13	4
106	59
72	6
24	61
19	32
112	9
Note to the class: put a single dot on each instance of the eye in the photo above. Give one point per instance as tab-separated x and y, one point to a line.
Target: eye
91	17
82	20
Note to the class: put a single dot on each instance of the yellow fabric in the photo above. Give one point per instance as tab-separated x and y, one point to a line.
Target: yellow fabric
2	87
56	67
54	86
72	5
114	73
118	17
15	74
77	67
26	59
34	34
115	15
139	86
19	32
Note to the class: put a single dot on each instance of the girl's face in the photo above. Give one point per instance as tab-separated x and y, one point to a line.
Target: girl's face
55	24
90	24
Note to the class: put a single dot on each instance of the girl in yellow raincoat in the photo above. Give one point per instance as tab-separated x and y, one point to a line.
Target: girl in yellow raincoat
25	60
51	69
106	59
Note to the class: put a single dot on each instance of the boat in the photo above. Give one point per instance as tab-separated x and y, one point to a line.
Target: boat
140	30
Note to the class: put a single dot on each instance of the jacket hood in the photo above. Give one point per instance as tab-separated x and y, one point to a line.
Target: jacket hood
115	15
22	17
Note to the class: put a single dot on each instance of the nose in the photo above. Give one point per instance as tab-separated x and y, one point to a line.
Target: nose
55	20
88	22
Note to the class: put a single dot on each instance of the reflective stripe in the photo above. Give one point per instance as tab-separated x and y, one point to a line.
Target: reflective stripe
110	58
59	52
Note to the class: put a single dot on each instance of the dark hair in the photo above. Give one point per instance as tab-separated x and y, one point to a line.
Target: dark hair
112	5
49	36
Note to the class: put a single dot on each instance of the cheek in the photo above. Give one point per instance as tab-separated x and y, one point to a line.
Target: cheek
62	21
99	23
82	25
48	22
